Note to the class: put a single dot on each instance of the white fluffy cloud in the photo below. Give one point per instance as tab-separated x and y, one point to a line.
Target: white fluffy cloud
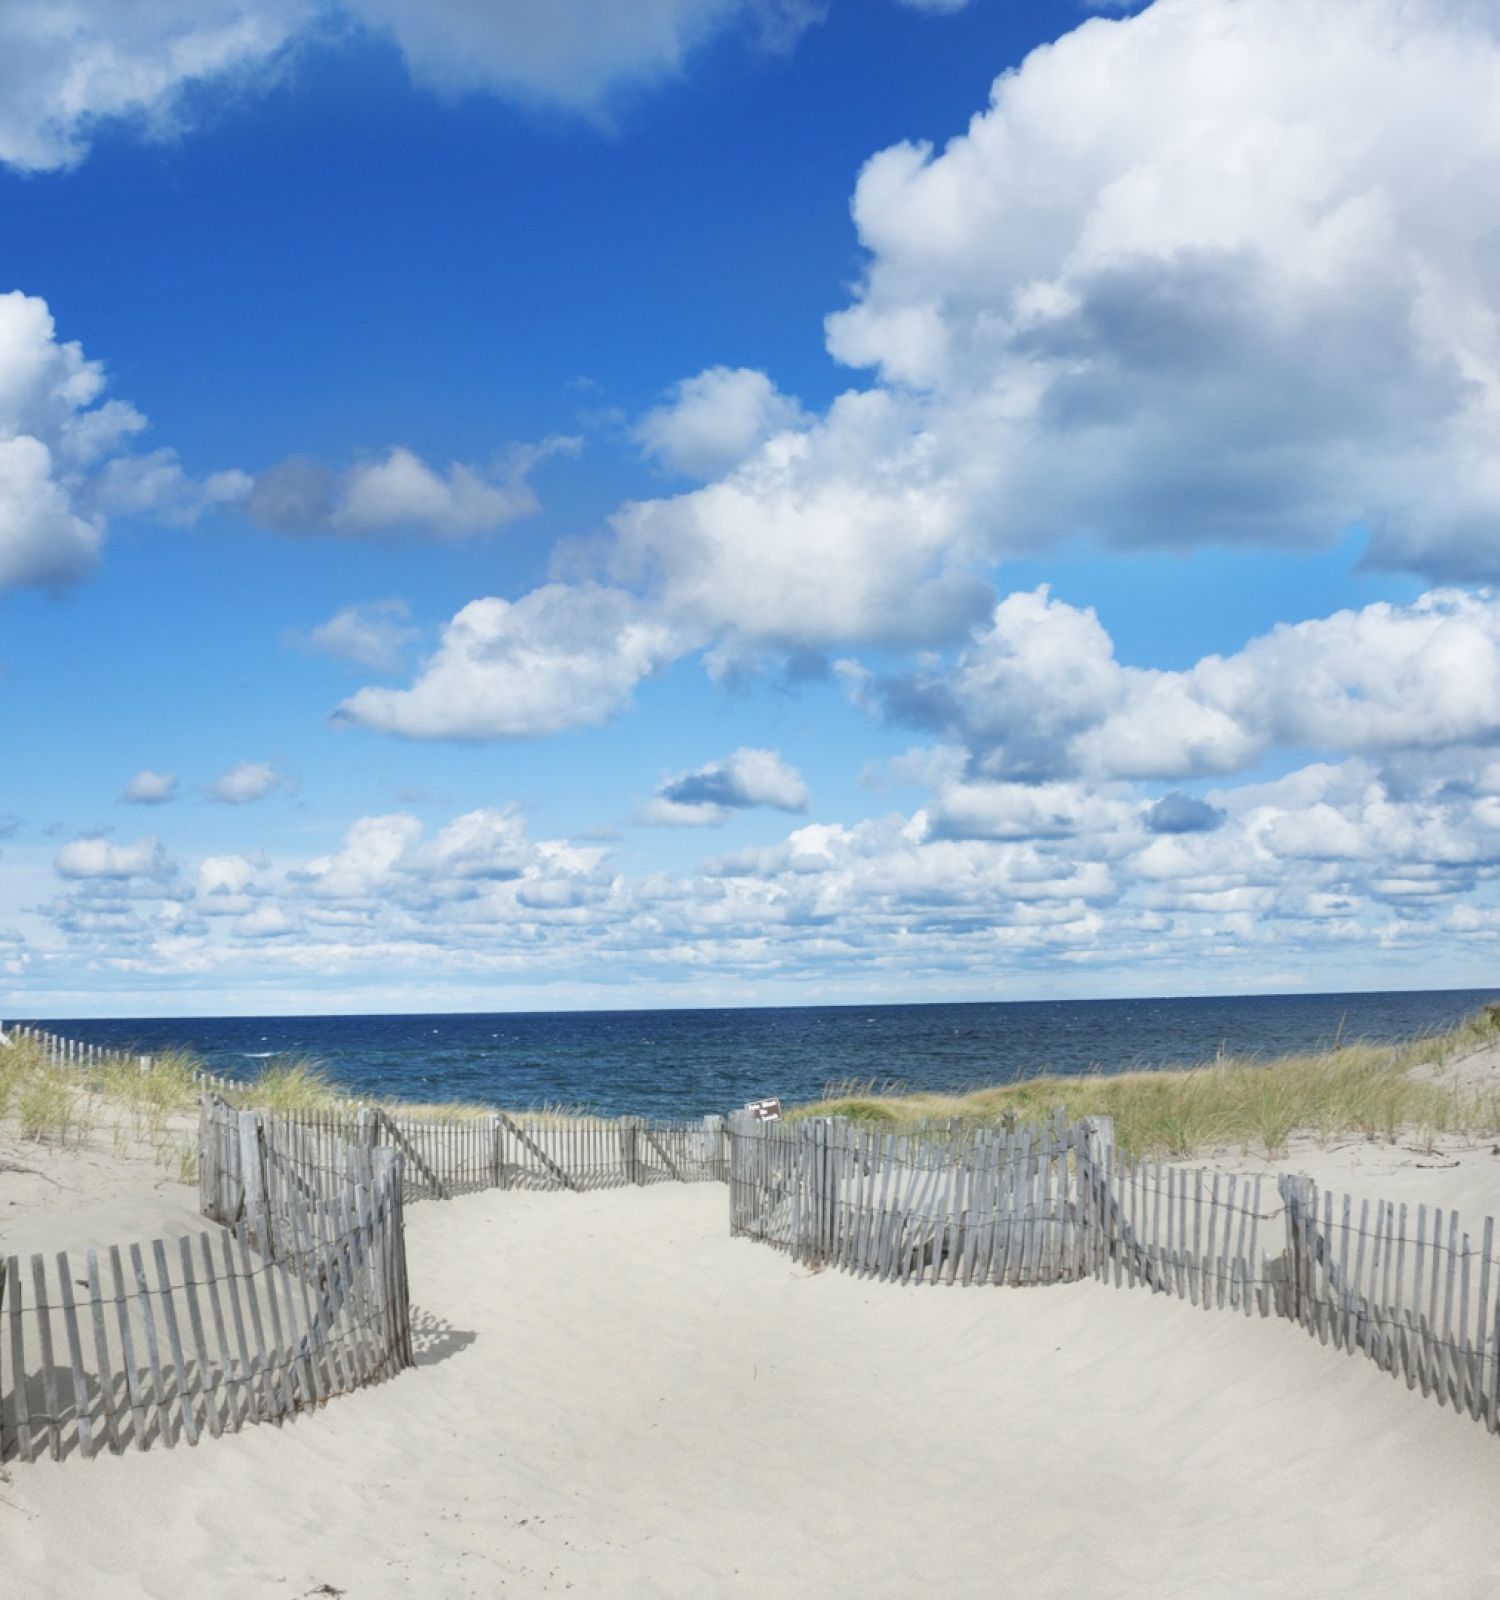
148	788
42	539
710	794
227	876
482	858
710	423
100	858
839	533
65	460
1182	283
561	657
403	490
247	781
65	70
52	434
573	52
398	492
1038	692
1178	285
1366	869
374	635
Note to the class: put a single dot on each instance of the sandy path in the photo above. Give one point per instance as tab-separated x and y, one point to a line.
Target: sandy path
617	1399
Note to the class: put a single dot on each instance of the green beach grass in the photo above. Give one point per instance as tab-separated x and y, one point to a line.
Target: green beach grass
1379	1091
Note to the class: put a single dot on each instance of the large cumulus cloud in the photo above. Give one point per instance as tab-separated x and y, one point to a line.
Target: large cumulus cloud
67	456
1223	272
1038	693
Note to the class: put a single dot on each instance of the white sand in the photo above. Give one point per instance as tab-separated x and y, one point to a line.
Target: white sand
65	1199
617	1399
1453	1172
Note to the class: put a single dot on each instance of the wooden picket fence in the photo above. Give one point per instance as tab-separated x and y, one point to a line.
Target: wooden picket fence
302	1296
77	1056
463	1153
1052	1202
1183	1231
1415	1299
994	1206
300	1293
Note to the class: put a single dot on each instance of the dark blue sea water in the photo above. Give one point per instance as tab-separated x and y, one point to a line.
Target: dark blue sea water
687	1063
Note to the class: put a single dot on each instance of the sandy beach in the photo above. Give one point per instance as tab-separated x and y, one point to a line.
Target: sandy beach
751	831
612	1397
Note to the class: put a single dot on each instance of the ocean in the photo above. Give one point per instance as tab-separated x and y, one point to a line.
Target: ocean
689	1063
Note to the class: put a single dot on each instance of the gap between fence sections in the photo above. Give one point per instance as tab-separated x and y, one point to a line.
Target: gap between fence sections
300	1291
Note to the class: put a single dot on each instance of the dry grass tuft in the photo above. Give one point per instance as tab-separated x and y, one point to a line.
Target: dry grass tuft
291	1083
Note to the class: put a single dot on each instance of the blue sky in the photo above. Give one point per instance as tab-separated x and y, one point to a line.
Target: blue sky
746	501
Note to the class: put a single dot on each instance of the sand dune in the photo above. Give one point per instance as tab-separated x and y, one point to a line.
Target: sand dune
65	1199
614	1398
1451	1172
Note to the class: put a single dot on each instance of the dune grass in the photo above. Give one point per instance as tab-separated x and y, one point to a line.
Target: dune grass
49	1103
291	1083
1378	1091
63	1105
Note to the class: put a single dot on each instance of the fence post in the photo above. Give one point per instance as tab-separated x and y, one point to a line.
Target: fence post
253	1178
1100	1144
629	1151
497	1166
208	1161
713	1148
810	1185
732	1170
1298	1195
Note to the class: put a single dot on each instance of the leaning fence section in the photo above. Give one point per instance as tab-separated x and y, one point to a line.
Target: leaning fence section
301	1295
1188	1232
985	1207
1410	1288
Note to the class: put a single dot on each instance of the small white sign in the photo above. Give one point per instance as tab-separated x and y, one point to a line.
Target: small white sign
764	1110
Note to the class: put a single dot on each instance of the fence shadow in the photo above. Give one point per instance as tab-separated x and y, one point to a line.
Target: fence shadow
435	1339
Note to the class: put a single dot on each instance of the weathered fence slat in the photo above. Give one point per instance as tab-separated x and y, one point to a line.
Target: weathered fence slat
127	1349
49	1367
101	1352
528	1143
80	1399
207	1389
16	1295
404	1145
189	1422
